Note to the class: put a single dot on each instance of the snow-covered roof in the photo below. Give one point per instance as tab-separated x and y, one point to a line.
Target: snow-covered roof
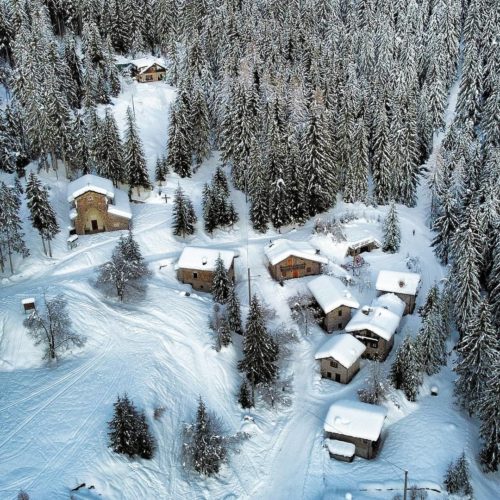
390	301
90	182
330	293
398	282
279	250
121	60
344	348
121	205
340	448
355	419
29	300
72	238
204	259
364	241
144	63
378	320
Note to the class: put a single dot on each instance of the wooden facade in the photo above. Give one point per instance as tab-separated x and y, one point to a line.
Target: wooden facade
153	73
294	267
364	447
92	215
376	346
336	319
365	246
333	370
200	280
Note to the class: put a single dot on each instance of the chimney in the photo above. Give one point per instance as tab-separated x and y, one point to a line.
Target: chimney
204	261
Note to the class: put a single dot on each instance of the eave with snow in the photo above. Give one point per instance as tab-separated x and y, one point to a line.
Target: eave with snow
334	300
97	206
404	285
148	69
363	245
293	259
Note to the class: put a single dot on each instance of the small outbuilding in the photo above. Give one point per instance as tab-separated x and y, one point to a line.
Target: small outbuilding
364	245
334	300
357	423
340	450
375	327
404	285
293	259
28	304
196	266
339	357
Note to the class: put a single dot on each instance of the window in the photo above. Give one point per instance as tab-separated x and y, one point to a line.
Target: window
340	312
339	326
201	286
308	269
149	78
334	364
195	275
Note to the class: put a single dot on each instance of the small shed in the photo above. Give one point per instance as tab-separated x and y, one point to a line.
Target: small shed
339	357
340	450
72	241
293	259
357	423
404	285
363	245
28	304
196	266
335	301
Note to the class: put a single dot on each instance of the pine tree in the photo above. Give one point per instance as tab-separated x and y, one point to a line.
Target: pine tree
382	158
404	372
259	209
179	154
356	182
445	225
234	312
392	233
221	283
161	170
200	124
244	396
494	282
457	478
134	159
259	348
109	153
478	352
184	217
431	343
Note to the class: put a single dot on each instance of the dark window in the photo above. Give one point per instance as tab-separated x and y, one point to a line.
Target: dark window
195	275
339	326
94	225
149	78
337	377
340	312
201	286
334	364
308	269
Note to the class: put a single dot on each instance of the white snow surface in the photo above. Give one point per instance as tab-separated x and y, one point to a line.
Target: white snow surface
343	347
90	182
330	293
378	320
204	259
391	302
398	282
355	419
279	250
340	448
120	205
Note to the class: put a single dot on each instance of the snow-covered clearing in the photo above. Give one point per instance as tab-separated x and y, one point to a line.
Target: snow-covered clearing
53	432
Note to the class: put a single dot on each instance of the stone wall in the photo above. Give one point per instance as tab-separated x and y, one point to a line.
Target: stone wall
335	321
345	375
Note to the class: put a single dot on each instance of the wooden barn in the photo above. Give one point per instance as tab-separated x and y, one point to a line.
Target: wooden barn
147	69
334	300
358	423
339	357
364	245
196	266
404	285
293	259
97	206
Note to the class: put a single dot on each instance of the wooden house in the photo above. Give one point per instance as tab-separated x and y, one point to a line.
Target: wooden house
196	266
358	423
147	69
364	245
375	327
404	285
339	357
97	206
334	300
293	259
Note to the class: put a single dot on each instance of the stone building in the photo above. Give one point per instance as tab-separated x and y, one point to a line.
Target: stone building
358	423
97	206
339	357
404	285
334	300
196	266
293	259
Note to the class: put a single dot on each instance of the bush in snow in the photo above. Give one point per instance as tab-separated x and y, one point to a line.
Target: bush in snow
376	388
129	431
278	392
457	478
51	326
392	233
22	495
304	312
126	271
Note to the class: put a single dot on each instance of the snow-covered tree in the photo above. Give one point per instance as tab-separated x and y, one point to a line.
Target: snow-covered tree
221	282
179	151
183	216
234	312
161	171
356	178
392	232
405	370
376	386
50	326
245	396
109	153
457	478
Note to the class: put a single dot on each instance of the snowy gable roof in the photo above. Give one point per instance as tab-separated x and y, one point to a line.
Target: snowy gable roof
378	320
203	259
343	347
330	293
279	250
144	63
355	419
364	241
390	301
121	205
398	282
90	182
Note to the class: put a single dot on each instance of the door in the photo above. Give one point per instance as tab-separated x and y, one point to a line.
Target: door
94	225
337	377
295	273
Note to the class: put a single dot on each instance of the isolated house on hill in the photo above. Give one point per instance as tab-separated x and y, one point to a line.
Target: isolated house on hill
404	285
196	266
293	259
339	357
375	327
335	301
97	206
364	245
147	69
357	423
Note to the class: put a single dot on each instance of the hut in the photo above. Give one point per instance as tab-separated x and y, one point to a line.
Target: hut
404	285
293	259
339	357
357	423
28	304
334	300
148	69
196	266
375	327
97	206
364	245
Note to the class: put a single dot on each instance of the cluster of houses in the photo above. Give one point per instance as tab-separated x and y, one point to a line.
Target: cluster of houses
351	427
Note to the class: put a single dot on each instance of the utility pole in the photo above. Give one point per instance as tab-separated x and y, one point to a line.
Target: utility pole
406	485
249	287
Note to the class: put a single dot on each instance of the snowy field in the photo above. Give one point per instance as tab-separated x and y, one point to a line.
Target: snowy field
53	420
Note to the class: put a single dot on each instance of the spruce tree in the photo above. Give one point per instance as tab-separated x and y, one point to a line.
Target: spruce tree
221	283
457	478
109	153
161	171
244	396
184	217
392	233
179	153
234	312
445	225
405	374
356	181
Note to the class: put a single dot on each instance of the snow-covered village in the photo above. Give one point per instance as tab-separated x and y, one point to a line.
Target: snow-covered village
249	249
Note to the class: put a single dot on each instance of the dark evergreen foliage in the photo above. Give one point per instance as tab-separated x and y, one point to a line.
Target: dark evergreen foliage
457	478
183	216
